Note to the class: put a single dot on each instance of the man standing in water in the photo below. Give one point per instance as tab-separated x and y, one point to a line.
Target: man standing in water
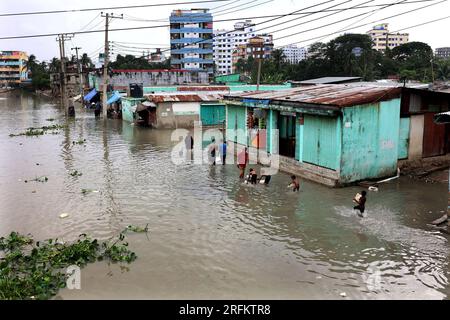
189	143
223	151
212	151
242	162
361	201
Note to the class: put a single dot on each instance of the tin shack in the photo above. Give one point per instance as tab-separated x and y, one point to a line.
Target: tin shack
333	134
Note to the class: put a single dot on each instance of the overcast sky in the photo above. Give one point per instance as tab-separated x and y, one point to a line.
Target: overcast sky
435	34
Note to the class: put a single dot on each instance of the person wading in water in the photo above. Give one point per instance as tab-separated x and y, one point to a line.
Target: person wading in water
360	199
242	162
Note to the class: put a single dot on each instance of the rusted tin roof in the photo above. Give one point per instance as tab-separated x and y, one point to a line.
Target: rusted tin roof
336	95
159	98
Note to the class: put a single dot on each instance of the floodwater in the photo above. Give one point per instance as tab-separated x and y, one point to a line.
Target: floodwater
212	237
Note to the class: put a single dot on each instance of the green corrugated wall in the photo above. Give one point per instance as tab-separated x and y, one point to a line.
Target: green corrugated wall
299	141
370	135
212	114
403	142
321	141
237	119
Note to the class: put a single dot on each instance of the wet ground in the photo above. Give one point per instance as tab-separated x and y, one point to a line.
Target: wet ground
210	235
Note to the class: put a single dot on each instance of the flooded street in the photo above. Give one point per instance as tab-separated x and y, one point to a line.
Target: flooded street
211	236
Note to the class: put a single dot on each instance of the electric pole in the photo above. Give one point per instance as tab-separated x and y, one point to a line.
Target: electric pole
62	77
79	71
105	65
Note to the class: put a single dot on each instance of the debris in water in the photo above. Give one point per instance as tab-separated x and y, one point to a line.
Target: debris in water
63	215
75	173
343	294
81	141
40	179
137	229
371	188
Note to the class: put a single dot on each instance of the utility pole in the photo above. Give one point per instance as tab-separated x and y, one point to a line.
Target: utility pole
63	83
259	74
79	71
107	16
260	57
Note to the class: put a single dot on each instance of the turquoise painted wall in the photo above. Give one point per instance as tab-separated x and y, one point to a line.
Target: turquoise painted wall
128	108
237	119
403	142
272	125
212	114
321	140
370	135
299	141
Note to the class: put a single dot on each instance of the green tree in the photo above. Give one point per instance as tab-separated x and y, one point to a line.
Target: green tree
443	70
414	59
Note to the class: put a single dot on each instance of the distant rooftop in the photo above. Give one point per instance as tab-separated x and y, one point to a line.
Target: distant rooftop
328	80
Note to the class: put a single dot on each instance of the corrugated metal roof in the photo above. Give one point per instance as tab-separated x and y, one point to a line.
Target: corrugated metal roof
327	95
328	80
158	98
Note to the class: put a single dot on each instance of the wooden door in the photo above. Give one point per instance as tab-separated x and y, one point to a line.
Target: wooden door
433	137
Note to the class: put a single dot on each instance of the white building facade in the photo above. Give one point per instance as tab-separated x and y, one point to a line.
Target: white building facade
294	54
226	41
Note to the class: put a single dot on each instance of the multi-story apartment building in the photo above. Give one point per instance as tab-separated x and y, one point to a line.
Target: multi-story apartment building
259	47
382	39
294	54
191	40
443	53
13	68
227	41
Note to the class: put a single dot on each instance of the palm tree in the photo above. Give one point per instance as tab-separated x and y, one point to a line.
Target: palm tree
443	70
278	57
54	65
85	61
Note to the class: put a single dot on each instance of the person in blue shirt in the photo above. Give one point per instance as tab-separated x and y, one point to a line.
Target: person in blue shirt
223	151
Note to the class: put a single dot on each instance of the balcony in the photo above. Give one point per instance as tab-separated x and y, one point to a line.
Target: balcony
191	30
190	41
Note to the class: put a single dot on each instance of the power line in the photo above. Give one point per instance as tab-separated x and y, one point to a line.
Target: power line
154	27
224	5
238	6
363	25
422	24
275	17
310	14
332	23
245	8
108	8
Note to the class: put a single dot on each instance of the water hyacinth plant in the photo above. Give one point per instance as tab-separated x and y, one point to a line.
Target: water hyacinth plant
37	270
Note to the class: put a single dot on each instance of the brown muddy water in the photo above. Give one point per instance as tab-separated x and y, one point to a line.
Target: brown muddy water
212	237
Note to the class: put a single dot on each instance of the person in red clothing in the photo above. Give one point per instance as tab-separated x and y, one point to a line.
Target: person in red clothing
242	162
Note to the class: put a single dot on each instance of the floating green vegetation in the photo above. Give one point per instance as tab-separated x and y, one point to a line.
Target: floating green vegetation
80	141
75	173
37	270
39	179
136	228
39	131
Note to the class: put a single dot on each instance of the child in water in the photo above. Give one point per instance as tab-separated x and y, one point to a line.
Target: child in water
252	176
295	185
360	199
